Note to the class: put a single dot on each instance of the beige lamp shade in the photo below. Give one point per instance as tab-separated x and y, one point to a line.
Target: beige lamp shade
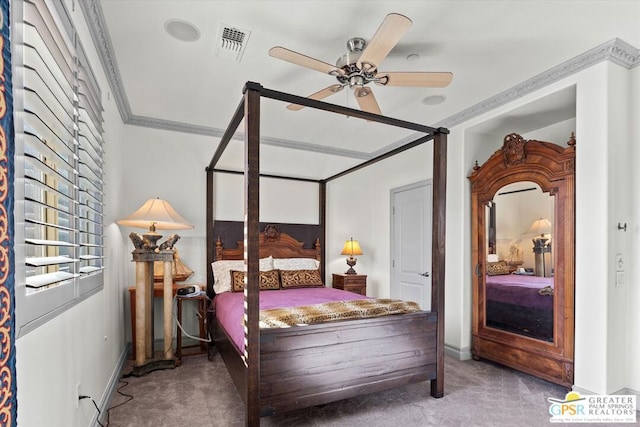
351	247
540	227
156	213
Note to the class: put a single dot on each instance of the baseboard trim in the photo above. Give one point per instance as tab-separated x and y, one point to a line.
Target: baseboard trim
105	402
463	353
623	391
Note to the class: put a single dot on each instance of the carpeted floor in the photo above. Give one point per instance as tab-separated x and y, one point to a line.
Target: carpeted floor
200	393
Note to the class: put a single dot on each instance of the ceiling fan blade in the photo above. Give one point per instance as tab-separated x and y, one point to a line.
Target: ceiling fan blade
388	35
303	60
321	94
414	79
366	100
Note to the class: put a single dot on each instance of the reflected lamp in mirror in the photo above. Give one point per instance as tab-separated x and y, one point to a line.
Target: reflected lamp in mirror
351	248
540	228
155	214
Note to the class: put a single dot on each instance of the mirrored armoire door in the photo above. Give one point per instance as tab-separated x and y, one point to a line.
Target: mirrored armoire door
522	234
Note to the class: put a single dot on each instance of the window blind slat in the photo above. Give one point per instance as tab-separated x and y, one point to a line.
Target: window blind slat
48	224
90	269
50	260
43	242
49	279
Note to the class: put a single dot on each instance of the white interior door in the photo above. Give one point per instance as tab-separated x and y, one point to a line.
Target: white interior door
411	212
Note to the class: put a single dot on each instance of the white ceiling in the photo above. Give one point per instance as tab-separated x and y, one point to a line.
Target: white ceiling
490	46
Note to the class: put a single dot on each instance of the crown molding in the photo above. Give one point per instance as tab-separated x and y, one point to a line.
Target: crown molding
181	127
92	11
616	51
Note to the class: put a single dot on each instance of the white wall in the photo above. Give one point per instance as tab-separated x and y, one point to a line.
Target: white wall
281	200
171	166
358	206
632	348
619	145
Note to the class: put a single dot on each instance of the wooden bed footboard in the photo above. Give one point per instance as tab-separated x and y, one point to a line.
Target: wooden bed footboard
317	364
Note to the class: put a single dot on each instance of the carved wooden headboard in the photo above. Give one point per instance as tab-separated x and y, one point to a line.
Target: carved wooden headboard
273	243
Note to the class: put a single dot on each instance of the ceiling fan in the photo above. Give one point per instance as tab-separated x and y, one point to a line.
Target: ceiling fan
359	66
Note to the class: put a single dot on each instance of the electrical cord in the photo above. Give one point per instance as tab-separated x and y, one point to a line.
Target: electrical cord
119	391
125	383
81	397
175	316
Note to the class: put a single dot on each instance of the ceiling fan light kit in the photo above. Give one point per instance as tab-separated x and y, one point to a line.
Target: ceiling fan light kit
359	66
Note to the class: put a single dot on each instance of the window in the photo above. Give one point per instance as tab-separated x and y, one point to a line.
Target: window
59	165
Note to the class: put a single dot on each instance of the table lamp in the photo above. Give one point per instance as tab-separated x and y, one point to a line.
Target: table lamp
351	248
155	214
540	228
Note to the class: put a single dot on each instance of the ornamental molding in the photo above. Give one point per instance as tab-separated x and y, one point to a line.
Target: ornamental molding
616	51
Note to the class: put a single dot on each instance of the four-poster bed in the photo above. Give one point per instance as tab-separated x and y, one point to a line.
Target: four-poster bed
280	369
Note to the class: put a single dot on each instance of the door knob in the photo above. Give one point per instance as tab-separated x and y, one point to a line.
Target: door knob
425	274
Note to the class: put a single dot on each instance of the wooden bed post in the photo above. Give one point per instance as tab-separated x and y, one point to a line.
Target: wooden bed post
438	250
209	232
252	255
322	217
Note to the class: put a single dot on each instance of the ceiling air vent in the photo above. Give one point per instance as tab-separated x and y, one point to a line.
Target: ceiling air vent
231	42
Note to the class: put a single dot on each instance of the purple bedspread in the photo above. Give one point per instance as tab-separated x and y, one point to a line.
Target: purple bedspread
229	306
519	290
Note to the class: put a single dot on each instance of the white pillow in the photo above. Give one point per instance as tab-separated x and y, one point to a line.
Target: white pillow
222	272
296	264
492	258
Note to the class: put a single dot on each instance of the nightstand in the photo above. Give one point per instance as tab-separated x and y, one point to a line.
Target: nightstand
356	283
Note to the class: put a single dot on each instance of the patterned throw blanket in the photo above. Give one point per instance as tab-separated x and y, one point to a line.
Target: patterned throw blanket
547	290
339	310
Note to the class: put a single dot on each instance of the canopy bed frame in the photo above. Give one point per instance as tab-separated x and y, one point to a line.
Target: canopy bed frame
413	343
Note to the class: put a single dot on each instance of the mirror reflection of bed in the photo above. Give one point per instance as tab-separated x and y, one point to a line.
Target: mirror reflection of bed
519	274
522	246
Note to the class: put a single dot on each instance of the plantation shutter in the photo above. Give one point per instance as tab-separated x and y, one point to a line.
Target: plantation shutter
59	134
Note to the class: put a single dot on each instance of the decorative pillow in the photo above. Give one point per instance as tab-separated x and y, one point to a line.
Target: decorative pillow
300	278
222	272
296	264
497	268
268	280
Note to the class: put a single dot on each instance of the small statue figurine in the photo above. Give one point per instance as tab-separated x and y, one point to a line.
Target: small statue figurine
168	244
137	240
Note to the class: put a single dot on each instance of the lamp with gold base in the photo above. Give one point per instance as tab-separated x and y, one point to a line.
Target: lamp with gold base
351	248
